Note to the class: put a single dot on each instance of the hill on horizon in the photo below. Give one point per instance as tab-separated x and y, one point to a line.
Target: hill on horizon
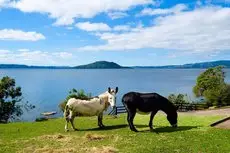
225	63
100	65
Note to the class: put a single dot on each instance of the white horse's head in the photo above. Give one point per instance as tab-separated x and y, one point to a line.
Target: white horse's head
112	96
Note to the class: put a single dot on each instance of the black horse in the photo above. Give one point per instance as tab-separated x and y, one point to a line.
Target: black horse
146	103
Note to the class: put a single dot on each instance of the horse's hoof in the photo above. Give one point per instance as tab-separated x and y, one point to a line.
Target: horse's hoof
66	130
102	127
151	129
135	130
75	129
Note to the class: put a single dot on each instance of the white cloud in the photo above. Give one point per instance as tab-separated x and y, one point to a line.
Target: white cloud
10	34
117	15
122	28
139	27
4	3
205	29
65	11
4	51
101	27
36	57
64	55
23	50
176	9
87	26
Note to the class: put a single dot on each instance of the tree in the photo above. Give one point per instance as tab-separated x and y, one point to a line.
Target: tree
10	100
211	85
178	99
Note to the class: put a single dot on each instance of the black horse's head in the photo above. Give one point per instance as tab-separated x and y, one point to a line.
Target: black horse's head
172	117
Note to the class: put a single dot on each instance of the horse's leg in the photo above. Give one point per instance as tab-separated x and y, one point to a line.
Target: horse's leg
66	124
72	123
99	120
130	117
100	117
153	113
72	116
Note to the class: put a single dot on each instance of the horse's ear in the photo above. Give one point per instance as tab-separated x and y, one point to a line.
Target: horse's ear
109	90
116	89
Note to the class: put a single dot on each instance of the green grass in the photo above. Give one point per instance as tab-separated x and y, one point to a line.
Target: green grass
192	136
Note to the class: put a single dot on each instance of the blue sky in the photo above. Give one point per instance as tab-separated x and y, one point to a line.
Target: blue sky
129	32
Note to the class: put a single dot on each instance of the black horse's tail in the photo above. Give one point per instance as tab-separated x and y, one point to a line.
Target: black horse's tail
122	100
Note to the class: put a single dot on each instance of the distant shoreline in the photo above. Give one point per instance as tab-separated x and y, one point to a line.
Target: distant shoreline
105	68
112	65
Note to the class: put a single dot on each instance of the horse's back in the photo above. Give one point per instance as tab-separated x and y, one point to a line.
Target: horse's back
137	96
71	101
131	97
75	101
144	101
85	107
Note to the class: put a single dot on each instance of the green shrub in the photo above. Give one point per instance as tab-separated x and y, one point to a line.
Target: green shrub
40	119
80	94
178	99
220	97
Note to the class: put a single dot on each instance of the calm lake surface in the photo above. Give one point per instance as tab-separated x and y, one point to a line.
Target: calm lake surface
46	88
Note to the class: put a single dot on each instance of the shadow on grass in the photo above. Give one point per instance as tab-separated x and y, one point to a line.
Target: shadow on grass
109	127
141	126
169	129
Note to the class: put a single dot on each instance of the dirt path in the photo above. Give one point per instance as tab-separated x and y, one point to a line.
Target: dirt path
224	125
224	112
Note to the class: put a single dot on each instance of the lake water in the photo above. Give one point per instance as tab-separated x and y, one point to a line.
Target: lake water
46	88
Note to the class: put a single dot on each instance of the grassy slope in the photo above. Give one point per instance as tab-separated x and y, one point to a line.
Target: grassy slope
193	135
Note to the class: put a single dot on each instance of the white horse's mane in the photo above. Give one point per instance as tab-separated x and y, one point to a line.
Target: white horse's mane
104	94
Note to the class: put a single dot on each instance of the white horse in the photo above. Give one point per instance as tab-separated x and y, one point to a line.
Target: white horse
92	107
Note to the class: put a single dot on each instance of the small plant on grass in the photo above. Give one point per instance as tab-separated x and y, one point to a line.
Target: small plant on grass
78	94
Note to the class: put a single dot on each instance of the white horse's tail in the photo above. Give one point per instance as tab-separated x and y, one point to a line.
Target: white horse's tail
66	112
